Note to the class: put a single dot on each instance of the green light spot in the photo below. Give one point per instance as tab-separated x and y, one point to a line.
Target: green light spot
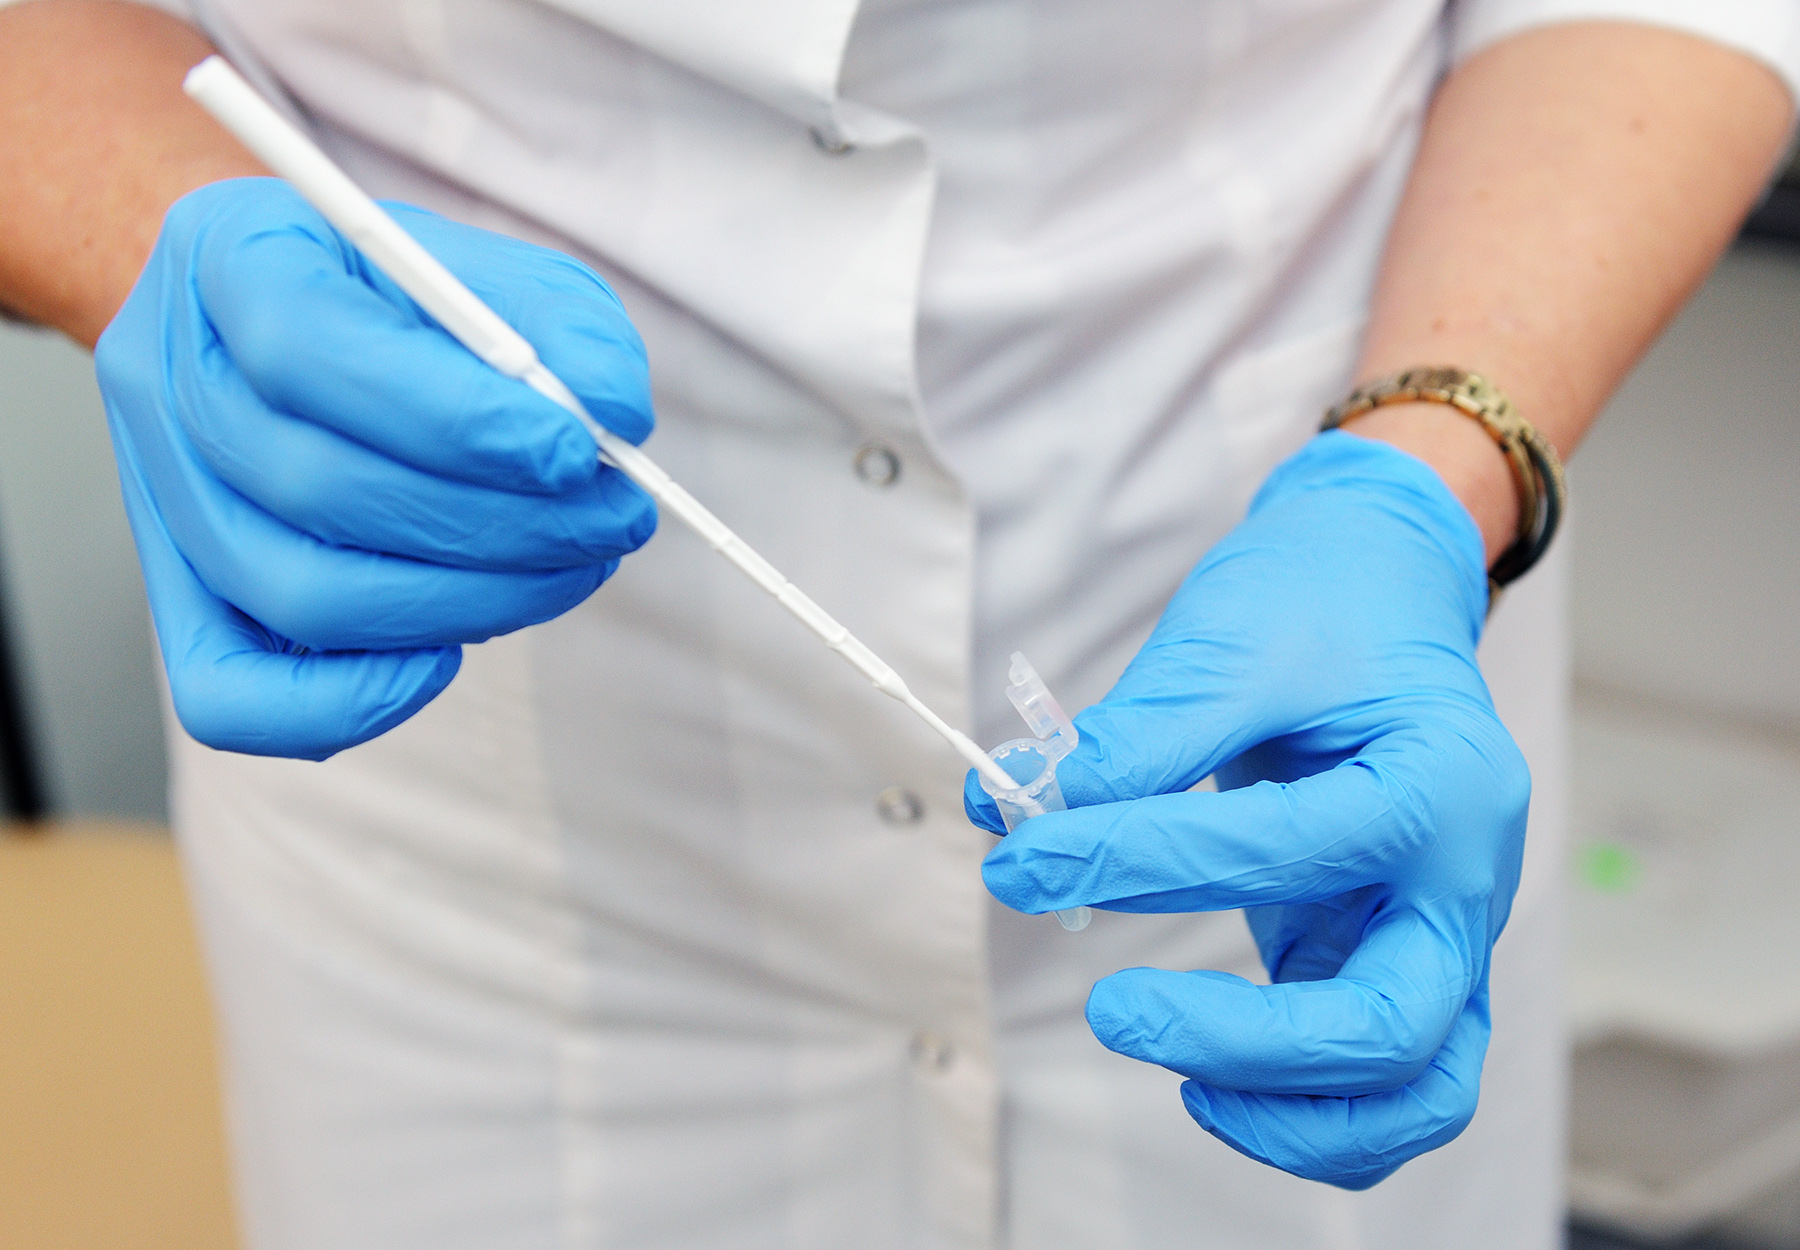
1608	867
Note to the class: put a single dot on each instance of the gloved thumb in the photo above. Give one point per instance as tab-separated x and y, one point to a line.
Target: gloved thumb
1175	716
1171	720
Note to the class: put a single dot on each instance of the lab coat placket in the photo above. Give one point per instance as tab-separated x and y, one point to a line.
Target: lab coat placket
854	878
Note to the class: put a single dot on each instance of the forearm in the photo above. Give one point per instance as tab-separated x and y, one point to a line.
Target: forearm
96	141
1574	184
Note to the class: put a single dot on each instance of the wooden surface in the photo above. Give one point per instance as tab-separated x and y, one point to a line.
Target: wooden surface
110	1132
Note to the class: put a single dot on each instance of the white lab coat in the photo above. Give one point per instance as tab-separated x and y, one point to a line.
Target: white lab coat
982	320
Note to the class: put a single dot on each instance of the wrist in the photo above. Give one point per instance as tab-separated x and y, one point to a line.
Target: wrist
96	141
1462	453
1376	508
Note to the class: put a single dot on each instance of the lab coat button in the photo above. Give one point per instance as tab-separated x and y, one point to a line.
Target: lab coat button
896	806
878	465
931	1052
831	143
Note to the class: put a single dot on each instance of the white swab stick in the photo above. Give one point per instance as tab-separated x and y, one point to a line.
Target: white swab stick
223	93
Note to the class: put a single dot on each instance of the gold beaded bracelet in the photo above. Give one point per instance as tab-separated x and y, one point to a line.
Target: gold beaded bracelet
1536	469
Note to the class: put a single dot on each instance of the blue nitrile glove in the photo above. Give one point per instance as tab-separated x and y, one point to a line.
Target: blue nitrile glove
328	492
1320	660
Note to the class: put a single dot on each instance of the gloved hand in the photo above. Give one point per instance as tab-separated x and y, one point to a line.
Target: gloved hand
1321	661
328	492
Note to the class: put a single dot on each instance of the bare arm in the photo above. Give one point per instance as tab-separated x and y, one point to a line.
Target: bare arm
1574	186
96	141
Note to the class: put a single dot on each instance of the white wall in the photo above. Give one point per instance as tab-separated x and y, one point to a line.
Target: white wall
1687	559
74	598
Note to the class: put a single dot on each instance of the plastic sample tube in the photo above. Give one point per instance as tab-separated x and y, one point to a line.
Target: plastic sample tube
222	92
1030	763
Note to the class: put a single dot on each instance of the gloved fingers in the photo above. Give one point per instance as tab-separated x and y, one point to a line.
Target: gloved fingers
1268	843
563	308
283	299
231	695
237	688
349	495
1373	1027
341	599
333	598
1353	1142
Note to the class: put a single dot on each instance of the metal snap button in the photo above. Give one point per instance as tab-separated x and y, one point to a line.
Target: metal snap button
896	806
877	464
831	143
931	1052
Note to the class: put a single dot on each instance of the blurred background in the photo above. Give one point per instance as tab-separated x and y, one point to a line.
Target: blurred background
1684	968
1684	934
